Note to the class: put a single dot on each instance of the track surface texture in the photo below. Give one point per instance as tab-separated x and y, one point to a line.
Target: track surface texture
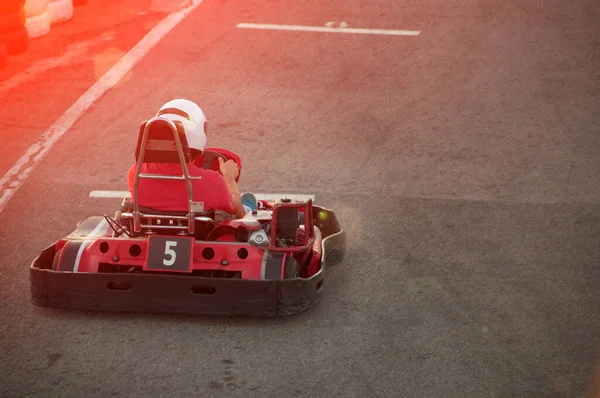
463	163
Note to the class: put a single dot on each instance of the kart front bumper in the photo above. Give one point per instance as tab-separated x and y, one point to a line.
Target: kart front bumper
178	294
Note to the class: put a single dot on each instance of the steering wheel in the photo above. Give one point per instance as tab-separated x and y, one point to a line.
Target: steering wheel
211	161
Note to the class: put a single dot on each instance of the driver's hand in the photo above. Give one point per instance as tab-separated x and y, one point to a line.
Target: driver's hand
229	169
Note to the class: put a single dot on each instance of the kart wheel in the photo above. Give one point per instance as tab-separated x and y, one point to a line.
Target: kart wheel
55	261
16	41
290	268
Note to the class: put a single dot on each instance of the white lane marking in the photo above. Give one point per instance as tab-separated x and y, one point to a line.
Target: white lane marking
331	24
330	29
84	244
259	196
73	51
16	176
123	194
271	197
109	194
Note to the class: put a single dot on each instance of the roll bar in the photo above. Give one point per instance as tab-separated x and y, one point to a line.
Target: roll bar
193	207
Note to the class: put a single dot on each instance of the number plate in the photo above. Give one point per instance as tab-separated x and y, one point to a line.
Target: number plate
168	253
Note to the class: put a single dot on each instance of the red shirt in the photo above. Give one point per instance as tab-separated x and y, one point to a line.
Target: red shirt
172	195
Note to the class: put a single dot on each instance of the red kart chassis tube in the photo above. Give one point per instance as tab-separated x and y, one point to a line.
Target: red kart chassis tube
182	293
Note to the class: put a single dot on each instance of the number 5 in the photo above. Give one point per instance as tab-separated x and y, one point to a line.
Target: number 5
170	252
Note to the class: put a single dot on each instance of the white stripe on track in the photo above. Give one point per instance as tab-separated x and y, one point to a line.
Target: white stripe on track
260	196
390	32
16	176
109	194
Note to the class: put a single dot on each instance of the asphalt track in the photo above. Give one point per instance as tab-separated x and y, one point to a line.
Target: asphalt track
463	163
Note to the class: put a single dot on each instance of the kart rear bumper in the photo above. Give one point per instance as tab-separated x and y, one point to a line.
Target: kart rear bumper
175	293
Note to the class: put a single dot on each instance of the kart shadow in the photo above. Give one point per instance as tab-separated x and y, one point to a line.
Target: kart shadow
74	315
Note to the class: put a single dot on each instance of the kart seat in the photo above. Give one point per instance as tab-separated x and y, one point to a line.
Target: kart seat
168	222
161	146
128	207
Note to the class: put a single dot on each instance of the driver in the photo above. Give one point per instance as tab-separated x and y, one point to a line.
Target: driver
218	191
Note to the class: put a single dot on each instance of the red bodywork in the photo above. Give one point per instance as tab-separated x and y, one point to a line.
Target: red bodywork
221	253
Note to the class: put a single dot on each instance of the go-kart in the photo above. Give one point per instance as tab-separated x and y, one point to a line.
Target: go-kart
270	263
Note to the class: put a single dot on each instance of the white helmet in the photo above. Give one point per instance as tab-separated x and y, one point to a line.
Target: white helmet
192	118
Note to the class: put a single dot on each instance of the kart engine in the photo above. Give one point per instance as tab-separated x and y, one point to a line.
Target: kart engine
289	228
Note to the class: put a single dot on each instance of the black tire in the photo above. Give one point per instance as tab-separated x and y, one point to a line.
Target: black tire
12	21
291	268
16	41
55	261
